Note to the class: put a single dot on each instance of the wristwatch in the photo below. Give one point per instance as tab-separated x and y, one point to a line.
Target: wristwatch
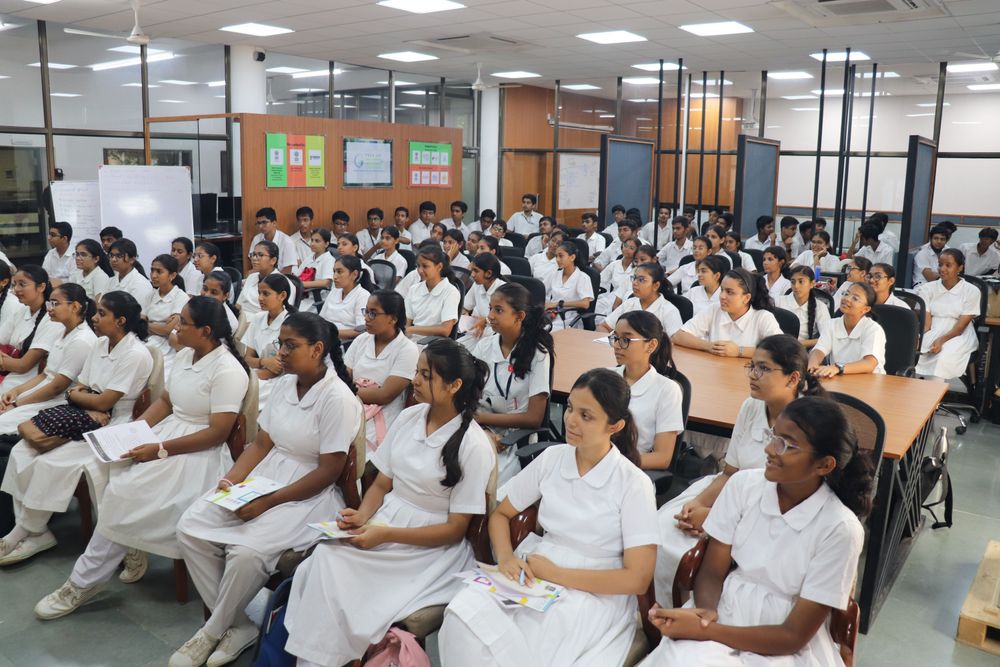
561	302
840	369
162	453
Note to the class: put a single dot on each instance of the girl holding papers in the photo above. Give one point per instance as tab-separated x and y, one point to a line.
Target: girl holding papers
193	417
599	514
305	433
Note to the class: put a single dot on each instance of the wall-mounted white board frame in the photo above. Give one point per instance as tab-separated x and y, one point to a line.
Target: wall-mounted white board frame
579	181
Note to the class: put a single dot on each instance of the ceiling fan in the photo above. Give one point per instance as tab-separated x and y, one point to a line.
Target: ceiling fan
137	36
479	85
972	56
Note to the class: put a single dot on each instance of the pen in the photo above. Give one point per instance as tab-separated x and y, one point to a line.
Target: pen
339	517
520	578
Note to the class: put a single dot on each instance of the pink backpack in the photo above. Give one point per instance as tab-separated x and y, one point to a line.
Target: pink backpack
398	648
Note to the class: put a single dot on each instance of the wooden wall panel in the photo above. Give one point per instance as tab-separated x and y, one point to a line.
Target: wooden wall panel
324	201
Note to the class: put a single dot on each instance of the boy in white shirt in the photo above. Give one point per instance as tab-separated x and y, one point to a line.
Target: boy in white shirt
765	235
662	236
536	243
526	220
370	238
303	251
617	214
671	254
267	224
420	229
790	239
457	219
59	262
595	240
627	229
872	248
498	231
482	225
982	258
925	262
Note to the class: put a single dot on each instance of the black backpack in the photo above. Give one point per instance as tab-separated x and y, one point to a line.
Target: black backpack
934	471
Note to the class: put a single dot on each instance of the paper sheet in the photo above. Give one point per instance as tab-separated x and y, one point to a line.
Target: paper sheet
243	493
110	442
330	529
466	323
538	594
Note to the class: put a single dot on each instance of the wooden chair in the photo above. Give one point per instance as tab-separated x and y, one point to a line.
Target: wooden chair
843	622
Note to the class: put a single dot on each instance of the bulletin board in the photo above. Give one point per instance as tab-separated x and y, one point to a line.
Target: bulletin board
295	160
430	165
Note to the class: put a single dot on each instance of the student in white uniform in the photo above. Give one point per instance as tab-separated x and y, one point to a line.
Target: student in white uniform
128	275
389	251
716	235
519	355
482	225
925	262
777	375
616	276
949	334
114	374
820	253
544	264
856	271
526	221
370	238
792	530
536	243
649	290
351	289
853	343
569	287
261	336
263	263
218	285
764	238
163	308
486	279
420	229
490	245
813	314
302	238
9	305
432	304
686	275
267	230
705	294
661	229
879	252
433	466
303	441
882	278
982	258
182	248
595	240
93	271
598	511
741	320
347	245
791	242
454	246
59	260
31	333
731	243
617	217
645	359
207	258
775	273
316	271
672	253
626	230
382	362
191	420
4	259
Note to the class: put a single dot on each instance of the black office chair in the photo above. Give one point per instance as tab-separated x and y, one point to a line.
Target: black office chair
757	256
663	478
534	286
682	304
464	275
902	331
917	305
460	286
574	315
506	251
410	257
237	279
868	426
686	259
788	321
385	273
518	265
582	248
971	376
518	240
574	231
827	299
839	277
608	241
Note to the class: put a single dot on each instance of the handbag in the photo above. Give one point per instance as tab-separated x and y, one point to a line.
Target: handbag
56	426
12	352
398	648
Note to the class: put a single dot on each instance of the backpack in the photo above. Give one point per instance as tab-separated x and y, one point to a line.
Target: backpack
934	471
273	635
398	648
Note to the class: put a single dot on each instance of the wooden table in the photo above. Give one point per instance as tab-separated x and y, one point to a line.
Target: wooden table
719	387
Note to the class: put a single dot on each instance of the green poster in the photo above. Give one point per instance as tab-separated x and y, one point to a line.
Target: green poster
315	161
430	165
277	165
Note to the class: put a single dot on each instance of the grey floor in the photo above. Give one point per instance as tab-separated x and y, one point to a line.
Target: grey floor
141	624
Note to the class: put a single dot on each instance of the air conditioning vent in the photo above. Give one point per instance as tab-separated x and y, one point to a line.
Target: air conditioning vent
468	44
832	13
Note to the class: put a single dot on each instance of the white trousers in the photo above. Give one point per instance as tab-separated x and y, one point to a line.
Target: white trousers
35	522
227	577
98	563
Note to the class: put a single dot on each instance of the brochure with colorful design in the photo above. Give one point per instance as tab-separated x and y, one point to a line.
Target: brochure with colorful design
240	494
538	594
333	532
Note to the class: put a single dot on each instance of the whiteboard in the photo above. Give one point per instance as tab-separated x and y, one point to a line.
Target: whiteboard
79	204
151	205
579	181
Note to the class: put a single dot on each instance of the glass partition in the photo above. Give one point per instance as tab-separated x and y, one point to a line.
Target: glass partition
297	86
361	93
22	183
20	83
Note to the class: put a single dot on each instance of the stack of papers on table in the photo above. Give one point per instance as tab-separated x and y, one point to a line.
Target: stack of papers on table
538	594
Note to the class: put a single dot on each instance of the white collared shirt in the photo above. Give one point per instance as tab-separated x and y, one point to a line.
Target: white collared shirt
323	265
715	325
59	266
193	279
890	239
685	277
94	284
524	224
303	251
574	288
47	333
430	307
504	391
656	406
134	283
665	311
663	237
597	243
980	265
345	312
418	231
160	309
261	335
746	446
925	258
214	384
828	262
754	243
367	240
821	314
670	255
397	359
69	354
779	287
700	300
542	267
534	246
125	369
614	275
881	255
287	254
396	260
249	302
867	339
477	299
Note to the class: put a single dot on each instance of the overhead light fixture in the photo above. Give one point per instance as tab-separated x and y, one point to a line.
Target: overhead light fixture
172	101
612	37
411	105
579	86
65	94
641	80
134	50
286	70
515	74
713	82
931	105
256	29
880	75
798	97
407	56
839	56
43	2
307	90
53	65
4	76
919	115
642	100
829	91
717	29
606	115
179	82
421	6
789	76
966	122
308	74
215	84
984	86
655	67
130	62
395	83
805	108
958	68
418	92
136	84
8	26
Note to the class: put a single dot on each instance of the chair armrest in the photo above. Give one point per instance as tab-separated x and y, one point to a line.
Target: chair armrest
522	524
515	436
479	537
528	452
427	340
661	480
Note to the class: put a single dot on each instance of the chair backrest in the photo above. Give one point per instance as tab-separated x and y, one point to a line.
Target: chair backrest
595	283
582	249
838	277
757	256
237	278
506	251
464	275
384	273
686	259
242	324
682	304
917	305
607	238
534	286
788	321
154	385
902	328
984	297
824	297
353	466
245	428
868	425
410	257
478	531
517	239
518	265
574	231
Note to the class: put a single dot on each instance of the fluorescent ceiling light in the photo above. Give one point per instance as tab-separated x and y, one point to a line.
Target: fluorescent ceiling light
179	82
9	26
515	74
973	67
138	85
53	65
931	105
829	91
717	29
606	115
880	75
579	86
798	97
713	82
215	84
612	37
65	94
172	101
984	86
396	83
134	50
705	94
655	67
407	56
422	6
308	74
918	115
307	90
273	104
130	62
641	80
789	76
868	93
839	56
642	118
966	122
44	2
641	100
417	92
411	105
805	108
256	29
286	70
4	76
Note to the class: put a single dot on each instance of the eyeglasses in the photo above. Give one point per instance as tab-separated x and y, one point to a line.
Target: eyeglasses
370	314
877	277
52	303
115	255
258	255
853	268
82	255
640	279
199	255
622	342
781	445
756	371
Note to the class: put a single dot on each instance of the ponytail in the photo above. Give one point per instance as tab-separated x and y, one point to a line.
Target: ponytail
225	286
779	254
279	283
97	250
792	357
208	312
753	284
315	329
648	325
39	276
123	304
434	253
613	394
170	263
535	329
76	294
353	265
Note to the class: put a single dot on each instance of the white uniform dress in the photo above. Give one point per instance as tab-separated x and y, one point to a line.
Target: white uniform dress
508	394
575	288
404	286
671	254
881	255
542	266
66	358
343	599
700	300
614	277
821	314
589	522
94	283
665	311
262	336
430	307
716	325
477	301
193	279
809	552
345	312
685	277
867	338
214	384
47	333
46	482
828	262
397	359
778	287
159	309
945	307
746	451
134	283
248	302
323	265
656	406
10	312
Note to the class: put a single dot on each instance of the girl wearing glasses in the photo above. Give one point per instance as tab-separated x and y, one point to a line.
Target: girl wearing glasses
794	534
814	316
705	294
351	289
206	259
486	276
949	333
742	319
598	509
819	255
643	354
30	334
114	374
857	272
263	262
775	273
568	288
432	304
163	309
128	275
649	289
519	352
777	374
93	271
685	277
853	343
433	468
261	336
382	362
305	434
882	278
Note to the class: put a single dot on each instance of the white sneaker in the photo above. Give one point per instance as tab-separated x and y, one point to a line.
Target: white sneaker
136	563
68	598
6	547
234	641
194	652
28	547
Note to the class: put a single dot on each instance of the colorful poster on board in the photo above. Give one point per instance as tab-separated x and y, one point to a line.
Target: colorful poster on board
277	167
367	163
296	160
315	161
430	165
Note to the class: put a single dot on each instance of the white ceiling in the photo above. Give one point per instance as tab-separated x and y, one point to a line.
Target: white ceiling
356	31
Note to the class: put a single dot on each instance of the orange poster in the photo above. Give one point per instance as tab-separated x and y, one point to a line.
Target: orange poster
296	161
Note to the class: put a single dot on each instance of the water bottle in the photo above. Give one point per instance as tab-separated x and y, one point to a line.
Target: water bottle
817	273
